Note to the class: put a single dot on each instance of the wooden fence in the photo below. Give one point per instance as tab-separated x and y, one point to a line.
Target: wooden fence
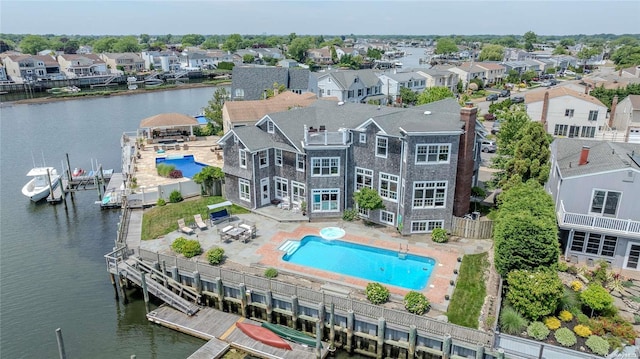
470	228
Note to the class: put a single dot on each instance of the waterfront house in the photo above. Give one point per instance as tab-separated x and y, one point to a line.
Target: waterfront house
347	85
596	189
252	82
126	61
23	68
74	65
421	160
567	113
393	82
3	75
167	61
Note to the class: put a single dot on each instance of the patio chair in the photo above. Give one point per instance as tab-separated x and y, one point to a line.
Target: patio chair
185	147
182	227
249	227
156	148
285	204
199	222
177	147
245	236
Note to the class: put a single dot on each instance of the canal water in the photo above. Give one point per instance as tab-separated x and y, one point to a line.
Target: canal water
52	269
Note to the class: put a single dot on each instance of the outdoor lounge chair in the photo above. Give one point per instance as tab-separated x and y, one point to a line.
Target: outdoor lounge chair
199	222
182	227
219	217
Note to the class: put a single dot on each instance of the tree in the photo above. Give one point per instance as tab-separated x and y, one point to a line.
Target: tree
232	43
534	294
214	109
145	38
596	297
209	43
408	96
507	41
560	50
104	44
433	94
192	40
491	52
626	56
530	38
373	53
567	42
334	54
298	48
207	177
531	154
248	58
276	86
513	76
446	46
367	198
32	44
126	44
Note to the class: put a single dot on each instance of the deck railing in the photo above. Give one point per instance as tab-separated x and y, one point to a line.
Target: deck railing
616	226
325	138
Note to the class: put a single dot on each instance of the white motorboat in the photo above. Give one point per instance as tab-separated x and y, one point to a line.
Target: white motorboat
38	187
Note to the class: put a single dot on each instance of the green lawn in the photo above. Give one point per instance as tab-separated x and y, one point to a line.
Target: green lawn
470	291
160	220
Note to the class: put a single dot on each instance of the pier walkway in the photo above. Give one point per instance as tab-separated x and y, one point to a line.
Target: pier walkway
219	328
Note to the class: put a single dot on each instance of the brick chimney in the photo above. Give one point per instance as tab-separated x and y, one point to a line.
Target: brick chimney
545	110
584	156
464	174
612	114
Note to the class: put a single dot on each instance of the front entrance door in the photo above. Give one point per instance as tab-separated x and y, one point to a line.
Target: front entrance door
264	191
633	255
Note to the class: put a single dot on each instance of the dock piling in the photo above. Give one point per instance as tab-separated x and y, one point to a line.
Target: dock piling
61	351
145	291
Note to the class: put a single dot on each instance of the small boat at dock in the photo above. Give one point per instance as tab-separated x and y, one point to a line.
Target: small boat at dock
263	335
291	334
38	187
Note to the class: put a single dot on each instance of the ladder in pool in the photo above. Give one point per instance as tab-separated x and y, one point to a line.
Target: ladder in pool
289	247
402	253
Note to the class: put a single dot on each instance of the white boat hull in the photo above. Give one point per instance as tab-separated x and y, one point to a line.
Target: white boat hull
38	187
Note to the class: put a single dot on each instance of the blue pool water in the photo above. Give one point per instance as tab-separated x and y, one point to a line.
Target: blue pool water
373	264
187	164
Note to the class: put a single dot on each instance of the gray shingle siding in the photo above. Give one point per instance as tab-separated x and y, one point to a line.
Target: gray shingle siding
253	81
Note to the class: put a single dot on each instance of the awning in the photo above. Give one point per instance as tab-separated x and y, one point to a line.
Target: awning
211	207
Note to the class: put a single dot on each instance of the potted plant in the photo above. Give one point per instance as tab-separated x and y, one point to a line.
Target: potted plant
303	207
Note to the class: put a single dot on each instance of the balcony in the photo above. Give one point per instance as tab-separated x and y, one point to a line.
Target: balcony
614	226
321	137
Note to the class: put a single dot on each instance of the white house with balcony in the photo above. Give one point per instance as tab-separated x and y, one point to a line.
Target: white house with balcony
596	189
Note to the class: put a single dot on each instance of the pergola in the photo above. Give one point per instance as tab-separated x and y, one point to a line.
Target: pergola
168	125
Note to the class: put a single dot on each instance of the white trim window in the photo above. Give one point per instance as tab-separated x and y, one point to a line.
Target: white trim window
568	112
281	187
242	158
244	189
593	115
363	136
437	153
278	157
325	166
363	212
594	243
263	158
560	130
425	226
270	127
588	131
605	203
387	217
298	192
388	187
299	162
427	194
364	178
382	144
325	200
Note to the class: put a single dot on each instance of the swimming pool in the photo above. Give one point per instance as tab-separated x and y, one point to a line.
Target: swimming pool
187	164
374	264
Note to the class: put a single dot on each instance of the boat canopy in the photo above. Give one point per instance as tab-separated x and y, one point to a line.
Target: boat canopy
40	171
211	207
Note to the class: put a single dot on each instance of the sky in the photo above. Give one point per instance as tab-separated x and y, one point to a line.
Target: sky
317	17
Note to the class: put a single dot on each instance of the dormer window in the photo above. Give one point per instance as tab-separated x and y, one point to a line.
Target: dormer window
270	126
355	80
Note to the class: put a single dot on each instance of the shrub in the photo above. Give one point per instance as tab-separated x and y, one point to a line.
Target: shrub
569	301
596	297
572	270
615	326
582	319
565	337
191	248
215	255
161	202
175	174
576	285
536	294
350	215
164	169
598	345
175	196
416	303
271	273
439	235
565	316
478	192
582	330
563	266
377	293
538	331
178	244
552	323
614	343
511	322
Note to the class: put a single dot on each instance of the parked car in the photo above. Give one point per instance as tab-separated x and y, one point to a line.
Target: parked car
517	99
505	93
492	97
488	146
495	128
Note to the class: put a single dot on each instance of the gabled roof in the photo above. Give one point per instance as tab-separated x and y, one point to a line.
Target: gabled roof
635	101
490	65
404	76
254	139
344	78
603	156
254	80
240	111
560	91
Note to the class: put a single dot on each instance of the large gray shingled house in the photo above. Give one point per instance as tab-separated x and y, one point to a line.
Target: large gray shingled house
421	160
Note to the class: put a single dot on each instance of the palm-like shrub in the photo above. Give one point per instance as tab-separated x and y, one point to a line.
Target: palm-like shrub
582	330
164	169
271	273
439	235
377	293
552	323
215	255
416	303
565	316
538	331
598	345
565	337
511	322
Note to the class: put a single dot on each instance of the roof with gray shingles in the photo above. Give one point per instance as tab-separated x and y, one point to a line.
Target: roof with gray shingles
404	76
254	80
603	156
344	78
299	79
255	139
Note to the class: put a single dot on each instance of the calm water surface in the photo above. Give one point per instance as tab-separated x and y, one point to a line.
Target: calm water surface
52	269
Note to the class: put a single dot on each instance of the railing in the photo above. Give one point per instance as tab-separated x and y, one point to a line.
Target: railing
613	225
324	138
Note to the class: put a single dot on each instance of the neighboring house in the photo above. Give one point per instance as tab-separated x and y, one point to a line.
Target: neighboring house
74	65
3	74
494	72
51	66
348	85
596	189
167	61
221	56
392	82
321	56
468	71
84	49
567	113
633	72
626	117
126	61
269	52
442	78
196	60
251	82
21	68
247	113
419	159
288	63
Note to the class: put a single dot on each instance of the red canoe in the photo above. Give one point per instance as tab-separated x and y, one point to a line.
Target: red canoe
263	335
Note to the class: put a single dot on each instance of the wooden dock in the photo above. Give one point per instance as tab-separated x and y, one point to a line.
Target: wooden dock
210	324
